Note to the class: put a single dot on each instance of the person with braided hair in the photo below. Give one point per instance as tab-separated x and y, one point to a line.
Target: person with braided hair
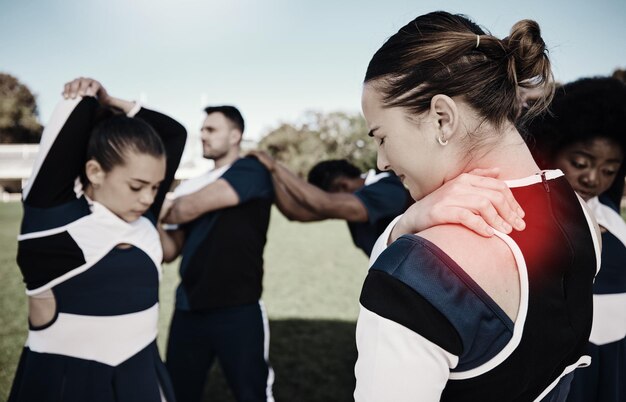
447	314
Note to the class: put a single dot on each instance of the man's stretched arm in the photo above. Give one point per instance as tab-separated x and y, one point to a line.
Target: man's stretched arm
290	207
321	204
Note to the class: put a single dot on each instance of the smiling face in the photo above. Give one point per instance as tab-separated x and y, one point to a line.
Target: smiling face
127	190
408	146
590	166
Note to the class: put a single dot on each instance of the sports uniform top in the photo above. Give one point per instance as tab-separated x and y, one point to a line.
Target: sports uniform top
106	297
427	331
222	258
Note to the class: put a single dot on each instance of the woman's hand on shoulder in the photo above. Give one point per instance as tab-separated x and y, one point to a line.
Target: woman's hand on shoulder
86	87
476	200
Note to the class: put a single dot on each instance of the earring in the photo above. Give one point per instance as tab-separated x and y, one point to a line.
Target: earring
441	141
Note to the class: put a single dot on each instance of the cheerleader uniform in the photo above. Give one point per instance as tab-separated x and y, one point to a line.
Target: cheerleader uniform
101	343
605	379
427	331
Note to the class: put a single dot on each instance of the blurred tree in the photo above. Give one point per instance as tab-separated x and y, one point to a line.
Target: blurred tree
620	74
18	112
321	136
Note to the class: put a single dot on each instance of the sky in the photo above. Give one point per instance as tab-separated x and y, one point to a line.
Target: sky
273	59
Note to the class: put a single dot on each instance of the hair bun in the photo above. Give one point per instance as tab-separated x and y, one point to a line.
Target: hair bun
528	63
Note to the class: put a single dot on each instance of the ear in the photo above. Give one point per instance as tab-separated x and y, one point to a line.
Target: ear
94	172
445	113
235	136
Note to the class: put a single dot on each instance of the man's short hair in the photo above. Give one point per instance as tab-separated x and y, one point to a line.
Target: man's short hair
324	173
230	112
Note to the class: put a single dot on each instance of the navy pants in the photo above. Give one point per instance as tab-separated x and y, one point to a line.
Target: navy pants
237	336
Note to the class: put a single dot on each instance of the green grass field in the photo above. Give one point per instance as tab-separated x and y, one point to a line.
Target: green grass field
313	276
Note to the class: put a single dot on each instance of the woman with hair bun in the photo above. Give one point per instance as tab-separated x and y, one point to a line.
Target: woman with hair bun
90	253
447	314
585	137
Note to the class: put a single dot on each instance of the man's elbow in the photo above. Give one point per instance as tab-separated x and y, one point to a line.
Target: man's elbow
169	257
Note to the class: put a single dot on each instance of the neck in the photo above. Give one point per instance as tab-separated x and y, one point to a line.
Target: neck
509	153
227	159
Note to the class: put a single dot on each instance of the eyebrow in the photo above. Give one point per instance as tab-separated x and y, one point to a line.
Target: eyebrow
590	156
140	180
371	133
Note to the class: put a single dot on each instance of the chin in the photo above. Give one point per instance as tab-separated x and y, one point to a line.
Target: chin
130	217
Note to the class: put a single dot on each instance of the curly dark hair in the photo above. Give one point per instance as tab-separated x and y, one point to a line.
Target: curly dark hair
324	173
582	110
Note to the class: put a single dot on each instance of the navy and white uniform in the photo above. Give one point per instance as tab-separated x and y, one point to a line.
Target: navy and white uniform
384	197
427	331
218	312
100	345
605	379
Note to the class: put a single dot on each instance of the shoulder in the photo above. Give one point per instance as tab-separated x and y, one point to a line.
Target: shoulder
250	179
467	248
247	171
488	261
248	162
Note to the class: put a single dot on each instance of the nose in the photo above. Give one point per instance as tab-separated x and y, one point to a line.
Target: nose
147	197
590	178
381	162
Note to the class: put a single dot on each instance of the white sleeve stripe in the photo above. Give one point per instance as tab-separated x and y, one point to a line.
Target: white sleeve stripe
381	242
397	364
522	311
61	113
584	361
594	234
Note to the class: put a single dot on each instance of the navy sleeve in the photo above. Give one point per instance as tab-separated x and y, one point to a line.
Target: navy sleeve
606	200
384	199
62	153
173	135
250	179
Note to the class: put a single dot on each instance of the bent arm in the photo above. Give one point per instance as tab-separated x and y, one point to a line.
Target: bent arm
323	204
476	200
173	135
62	153
211	197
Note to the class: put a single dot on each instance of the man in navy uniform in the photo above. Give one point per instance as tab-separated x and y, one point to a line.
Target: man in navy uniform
222	219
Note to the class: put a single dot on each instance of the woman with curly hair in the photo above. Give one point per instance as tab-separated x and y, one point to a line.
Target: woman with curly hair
585	137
